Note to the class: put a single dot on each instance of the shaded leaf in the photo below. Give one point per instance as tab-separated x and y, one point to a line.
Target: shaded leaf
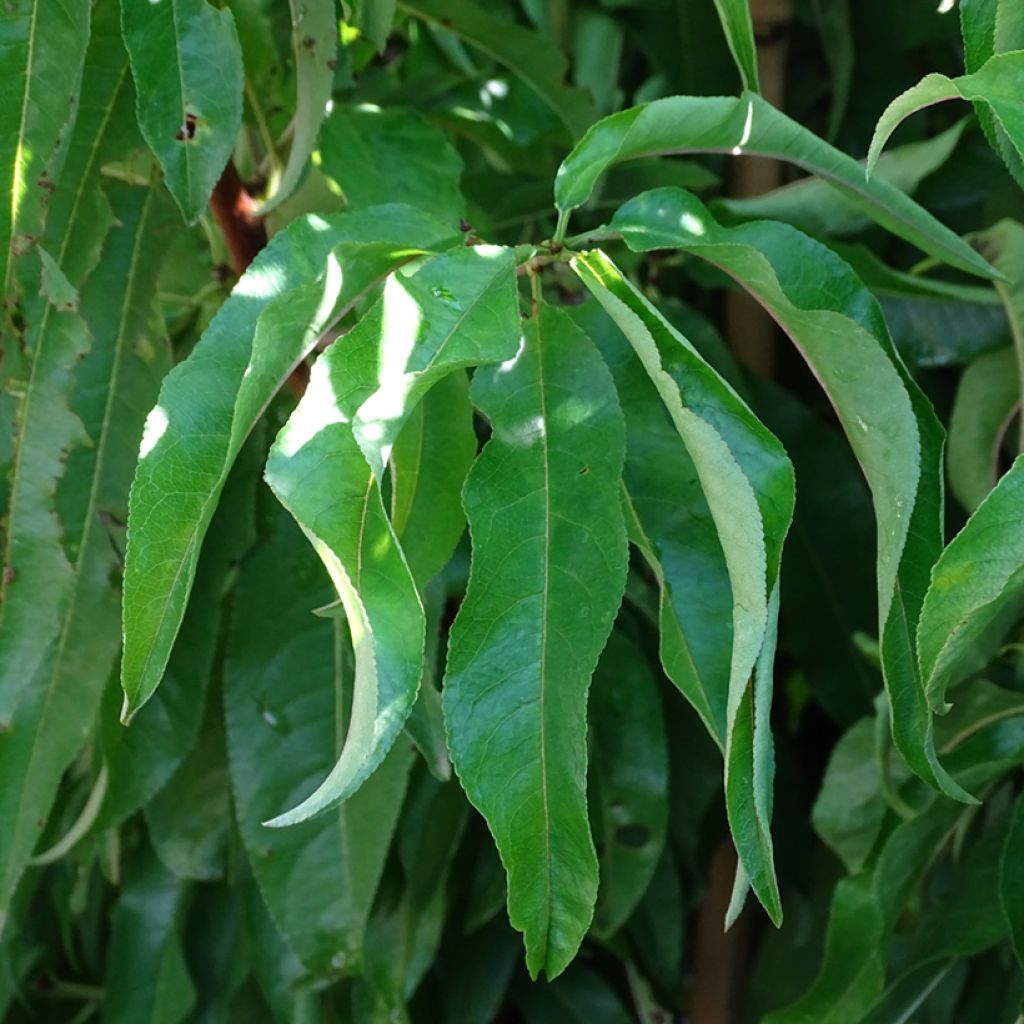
287	693
977	590
147	977
549	565
839	330
629	773
739	33
1011	879
315	46
527	54
392	156
988	395
747	483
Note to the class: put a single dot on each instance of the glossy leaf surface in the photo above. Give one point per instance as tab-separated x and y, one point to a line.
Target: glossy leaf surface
542	498
749	125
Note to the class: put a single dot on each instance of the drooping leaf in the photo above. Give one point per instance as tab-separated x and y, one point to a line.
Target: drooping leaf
187	66
147	977
188	819
44	46
988	394
996	84
315	46
630	780
739	33
839	330
297	286
374	19
142	759
749	125
429	462
120	373
287	690
977	589
528	54
814	206
850	807
549	561
581	996
452	311
747	483
38	578
392	156
1011	879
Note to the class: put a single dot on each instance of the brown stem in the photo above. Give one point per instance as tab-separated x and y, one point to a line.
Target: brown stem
245	234
720	956
234	210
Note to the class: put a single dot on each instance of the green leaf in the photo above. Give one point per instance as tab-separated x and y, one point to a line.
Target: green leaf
529	55
147	977
374	19
188	819
850	807
428	465
815	206
739	33
307	277
581	996
996	84
1011	879
187	66
39	575
548	570
115	382
44	45
392	156
977	590
455	310
287	692
629	769
315	45
751	126
891	427
747	483
986	400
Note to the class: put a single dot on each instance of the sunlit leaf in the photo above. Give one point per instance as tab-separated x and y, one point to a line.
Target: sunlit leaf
549	562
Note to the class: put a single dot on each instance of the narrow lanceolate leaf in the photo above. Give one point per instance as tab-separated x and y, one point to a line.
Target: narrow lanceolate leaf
115	384
747	483
630	774
147	976
527	54
977	590
739	33
187	66
840	331
296	287
392	156
287	686
42	46
996	84
1011	879
986	401
454	310
429	463
749	125
315	45
548	570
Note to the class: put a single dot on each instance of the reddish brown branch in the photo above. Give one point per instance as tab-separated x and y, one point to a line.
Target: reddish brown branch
234	210
245	234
